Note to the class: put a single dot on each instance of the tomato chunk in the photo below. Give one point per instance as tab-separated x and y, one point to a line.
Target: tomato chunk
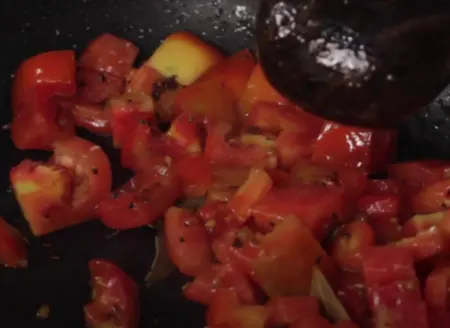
288	309
436	288
38	121
13	252
425	244
109	54
433	198
91	117
187	242
115	300
195	173
96	87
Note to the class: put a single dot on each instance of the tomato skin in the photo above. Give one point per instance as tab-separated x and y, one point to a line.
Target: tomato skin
116	297
195	173
256	187
185	132
208	282
13	251
287	310
433	198
388	264
96	87
316	206
187	242
382	212
141	201
233	72
293	146
351	240
109	54
91	117
143	80
345	146
38	80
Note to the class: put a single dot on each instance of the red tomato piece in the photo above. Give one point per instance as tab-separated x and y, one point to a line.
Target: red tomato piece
144	80
420	174
187	242
273	117
385	265
184	131
251	192
217	217
258	89
37	118
293	146
311	321
96	87
288	309
64	191
345	146
438	318
433	198
316	206
351	291
195	173
436	291
127	112
289	252
91	117
346	324
141	201
383	187
109	54
13	251
351	240
218	276
210	99
425	244
382	212
115	300
233	72
236	153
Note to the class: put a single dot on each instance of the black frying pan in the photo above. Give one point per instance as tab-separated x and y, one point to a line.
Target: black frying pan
58	273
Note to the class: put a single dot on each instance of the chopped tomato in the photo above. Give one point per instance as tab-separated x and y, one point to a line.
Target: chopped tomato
423	222
273	117
288	309
311	321
433	198
115	301
236	152
289	252
256	187
317	206
293	146
91	117
218	276
13	251
96	87
382	212
208	99
142	200
351	291
345	146
37	119
346	324
187	241
424	245
226	312
144	79
383	186
64	191
127	112
419	174
233	72
351	240
258	89
436	291
438	318
385	265
109	54
195	173
185	132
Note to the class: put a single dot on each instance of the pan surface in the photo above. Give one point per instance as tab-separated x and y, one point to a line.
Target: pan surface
58	273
